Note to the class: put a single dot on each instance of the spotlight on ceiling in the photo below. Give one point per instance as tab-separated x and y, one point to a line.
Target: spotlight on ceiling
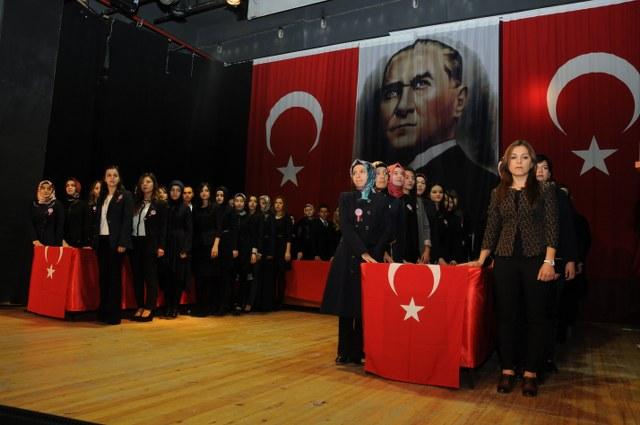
234	3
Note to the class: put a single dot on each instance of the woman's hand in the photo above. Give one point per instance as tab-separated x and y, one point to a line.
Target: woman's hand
214	252
368	258
287	256
387	258
547	273
235	253
569	270
183	255
160	252
65	244
121	249
254	258
37	243
425	257
474	263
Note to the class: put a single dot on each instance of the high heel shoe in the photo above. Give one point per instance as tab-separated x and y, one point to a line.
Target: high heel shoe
147	318
506	384
529	386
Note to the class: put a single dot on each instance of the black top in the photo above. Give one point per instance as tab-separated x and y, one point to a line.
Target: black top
119	219
47	223
305	238
155	224
77	223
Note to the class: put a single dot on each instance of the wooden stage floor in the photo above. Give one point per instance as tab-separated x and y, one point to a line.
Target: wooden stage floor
278	368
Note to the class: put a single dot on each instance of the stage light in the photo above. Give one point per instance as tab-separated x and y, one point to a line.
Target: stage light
234	3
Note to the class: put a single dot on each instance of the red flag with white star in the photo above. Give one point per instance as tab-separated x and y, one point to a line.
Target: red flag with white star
413	319
50	271
571	87
301	127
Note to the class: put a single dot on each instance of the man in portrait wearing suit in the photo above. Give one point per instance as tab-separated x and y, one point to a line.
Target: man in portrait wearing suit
421	101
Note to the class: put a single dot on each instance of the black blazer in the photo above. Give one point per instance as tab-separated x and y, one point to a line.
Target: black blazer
155	224
370	233
47	223
77	223
119	218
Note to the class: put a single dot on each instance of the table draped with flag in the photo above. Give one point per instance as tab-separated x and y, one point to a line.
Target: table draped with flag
387	313
66	280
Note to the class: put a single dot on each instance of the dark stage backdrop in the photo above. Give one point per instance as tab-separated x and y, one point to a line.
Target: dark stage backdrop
121	96
28	52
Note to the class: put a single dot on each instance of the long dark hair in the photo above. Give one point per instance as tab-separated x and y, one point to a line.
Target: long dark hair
104	190
531	188
212	196
93	199
139	196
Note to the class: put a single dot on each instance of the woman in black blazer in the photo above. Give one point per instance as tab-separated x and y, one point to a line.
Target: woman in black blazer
179	238
522	232
113	237
149	235
283	227
47	217
364	221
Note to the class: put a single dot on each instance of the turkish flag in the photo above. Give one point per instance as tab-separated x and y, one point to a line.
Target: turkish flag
571	87
50	271
301	127
413	321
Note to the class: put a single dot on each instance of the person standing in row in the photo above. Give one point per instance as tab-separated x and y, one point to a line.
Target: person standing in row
255	236
113	239
522	232
283	225
225	250
365	227
179	237
149	240
77	219
204	233
266	252
47	217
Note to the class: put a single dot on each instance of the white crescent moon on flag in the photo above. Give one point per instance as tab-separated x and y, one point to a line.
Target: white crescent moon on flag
589	63
435	270
46	254
295	99
391	273
393	268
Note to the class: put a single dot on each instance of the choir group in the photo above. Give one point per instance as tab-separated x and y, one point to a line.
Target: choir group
238	248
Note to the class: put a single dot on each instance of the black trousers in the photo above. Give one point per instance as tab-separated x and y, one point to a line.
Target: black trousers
267	285
350	342
110	275
517	290
144	266
204	294
556	288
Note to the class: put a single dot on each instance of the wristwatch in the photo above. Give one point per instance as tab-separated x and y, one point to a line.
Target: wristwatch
550	262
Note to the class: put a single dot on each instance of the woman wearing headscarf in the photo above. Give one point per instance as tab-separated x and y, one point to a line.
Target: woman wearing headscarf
283	225
47	217
149	241
255	237
395	191
266	248
417	231
113	238
77	219
247	256
179	238
365	236
382	176
205	229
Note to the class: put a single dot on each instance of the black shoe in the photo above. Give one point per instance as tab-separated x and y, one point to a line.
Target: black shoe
340	360
506	384
529	387
357	361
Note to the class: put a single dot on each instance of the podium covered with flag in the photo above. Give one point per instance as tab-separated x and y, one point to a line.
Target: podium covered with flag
422	323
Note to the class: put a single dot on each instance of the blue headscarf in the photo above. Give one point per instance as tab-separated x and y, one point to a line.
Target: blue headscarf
371	176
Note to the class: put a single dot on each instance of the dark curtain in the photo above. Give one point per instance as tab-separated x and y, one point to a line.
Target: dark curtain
124	97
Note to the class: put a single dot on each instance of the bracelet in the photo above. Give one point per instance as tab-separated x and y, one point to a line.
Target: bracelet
550	262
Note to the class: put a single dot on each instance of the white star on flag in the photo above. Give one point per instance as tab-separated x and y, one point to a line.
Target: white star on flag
50	272
289	172
594	157
412	310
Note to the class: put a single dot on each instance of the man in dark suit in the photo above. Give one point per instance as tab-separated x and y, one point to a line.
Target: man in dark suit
420	103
